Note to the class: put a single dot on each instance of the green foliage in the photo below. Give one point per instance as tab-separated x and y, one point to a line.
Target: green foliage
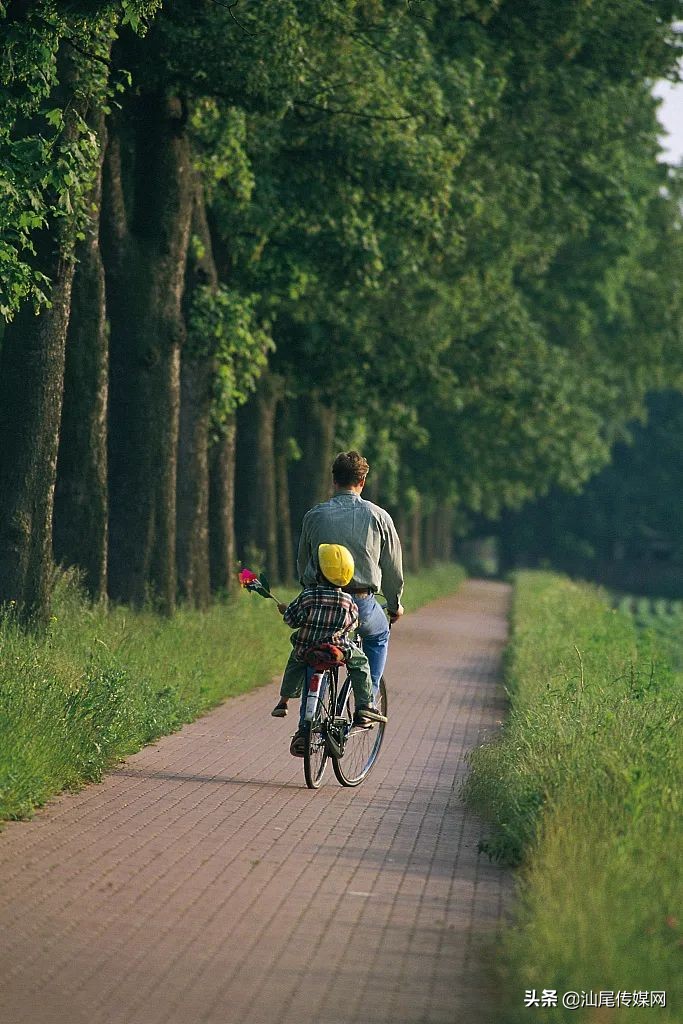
223	326
447	218
349	194
137	13
249	58
220	138
495	260
54	66
584	785
547	353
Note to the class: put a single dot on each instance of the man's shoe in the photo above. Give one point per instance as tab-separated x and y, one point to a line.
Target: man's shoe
364	718
280	710
297	747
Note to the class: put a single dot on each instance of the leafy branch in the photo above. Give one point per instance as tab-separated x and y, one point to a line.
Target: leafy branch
363	114
230	8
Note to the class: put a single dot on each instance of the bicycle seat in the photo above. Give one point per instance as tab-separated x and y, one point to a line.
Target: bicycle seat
323	656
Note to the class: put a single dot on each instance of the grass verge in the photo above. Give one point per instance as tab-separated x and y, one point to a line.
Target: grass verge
426	586
99	685
584	788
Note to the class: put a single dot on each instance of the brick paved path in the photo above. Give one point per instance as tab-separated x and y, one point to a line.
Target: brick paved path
201	883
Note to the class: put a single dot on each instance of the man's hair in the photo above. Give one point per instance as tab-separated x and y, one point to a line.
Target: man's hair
349	469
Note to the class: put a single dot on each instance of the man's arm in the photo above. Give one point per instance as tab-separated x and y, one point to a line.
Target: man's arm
304	553
391	567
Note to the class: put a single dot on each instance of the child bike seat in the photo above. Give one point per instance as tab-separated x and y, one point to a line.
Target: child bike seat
322	656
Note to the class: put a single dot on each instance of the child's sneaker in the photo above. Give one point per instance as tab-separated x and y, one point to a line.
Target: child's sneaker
364	718
297	747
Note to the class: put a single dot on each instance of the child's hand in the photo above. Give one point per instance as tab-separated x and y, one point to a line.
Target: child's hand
282	608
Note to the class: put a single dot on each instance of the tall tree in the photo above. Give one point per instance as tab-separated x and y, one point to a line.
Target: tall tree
147	235
256	475
148	203
198	370
81	494
50	156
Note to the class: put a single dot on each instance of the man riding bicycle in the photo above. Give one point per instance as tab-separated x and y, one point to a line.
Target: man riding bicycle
369	534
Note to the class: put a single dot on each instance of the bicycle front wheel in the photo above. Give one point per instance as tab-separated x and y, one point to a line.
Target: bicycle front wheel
362	746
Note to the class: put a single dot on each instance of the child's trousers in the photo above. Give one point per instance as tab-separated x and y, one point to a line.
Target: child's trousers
361	682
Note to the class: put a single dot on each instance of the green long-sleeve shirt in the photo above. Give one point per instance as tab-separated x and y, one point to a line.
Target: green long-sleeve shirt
369	534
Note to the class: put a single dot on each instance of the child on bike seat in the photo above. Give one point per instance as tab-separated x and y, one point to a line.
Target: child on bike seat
325	614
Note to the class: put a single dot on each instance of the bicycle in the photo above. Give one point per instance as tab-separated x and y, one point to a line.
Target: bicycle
329	731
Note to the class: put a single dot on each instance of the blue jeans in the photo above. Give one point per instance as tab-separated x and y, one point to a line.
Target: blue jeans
373	628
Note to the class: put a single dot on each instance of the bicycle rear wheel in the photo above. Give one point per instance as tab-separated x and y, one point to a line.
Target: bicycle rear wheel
362	746
315	751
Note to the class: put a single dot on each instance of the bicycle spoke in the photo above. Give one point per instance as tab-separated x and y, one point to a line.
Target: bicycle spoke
362	747
315	753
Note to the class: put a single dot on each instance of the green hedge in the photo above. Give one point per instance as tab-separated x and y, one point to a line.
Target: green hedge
584	786
99	685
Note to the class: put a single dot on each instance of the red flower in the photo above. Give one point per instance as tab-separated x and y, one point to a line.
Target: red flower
254	583
246	576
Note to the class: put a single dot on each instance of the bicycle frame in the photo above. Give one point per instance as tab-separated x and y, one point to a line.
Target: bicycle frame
317	683
316	687
326	719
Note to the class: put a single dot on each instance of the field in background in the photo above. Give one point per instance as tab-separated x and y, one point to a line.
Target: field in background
99	685
661	621
584	789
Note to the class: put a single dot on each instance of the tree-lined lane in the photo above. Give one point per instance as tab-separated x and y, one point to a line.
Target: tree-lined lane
441	236
202	882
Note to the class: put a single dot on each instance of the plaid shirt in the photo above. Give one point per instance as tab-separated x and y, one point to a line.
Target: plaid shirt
323	614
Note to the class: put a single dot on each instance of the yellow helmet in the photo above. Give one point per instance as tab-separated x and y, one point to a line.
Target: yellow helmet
336	563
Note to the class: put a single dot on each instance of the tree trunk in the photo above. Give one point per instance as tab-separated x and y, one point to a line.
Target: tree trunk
444	533
508	545
429	539
31	389
401	522
80	516
311	476
415	536
192	544
284	518
197	376
222	509
147	232
31	393
257	523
